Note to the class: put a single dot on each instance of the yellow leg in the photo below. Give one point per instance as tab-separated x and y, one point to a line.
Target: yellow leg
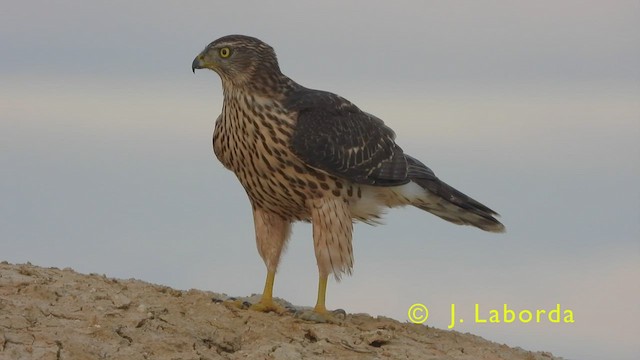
322	292
319	314
266	303
267	294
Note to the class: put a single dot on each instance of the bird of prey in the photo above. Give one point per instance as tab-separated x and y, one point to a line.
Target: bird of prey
311	155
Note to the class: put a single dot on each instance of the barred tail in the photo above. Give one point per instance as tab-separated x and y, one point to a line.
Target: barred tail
448	203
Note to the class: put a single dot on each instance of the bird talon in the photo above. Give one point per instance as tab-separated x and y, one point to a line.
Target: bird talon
268	306
327	317
339	313
234	304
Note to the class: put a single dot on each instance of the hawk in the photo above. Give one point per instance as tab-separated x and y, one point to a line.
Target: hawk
310	155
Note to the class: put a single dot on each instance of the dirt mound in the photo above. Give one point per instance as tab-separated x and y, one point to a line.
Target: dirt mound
47	313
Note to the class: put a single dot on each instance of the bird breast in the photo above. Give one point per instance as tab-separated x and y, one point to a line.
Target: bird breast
251	139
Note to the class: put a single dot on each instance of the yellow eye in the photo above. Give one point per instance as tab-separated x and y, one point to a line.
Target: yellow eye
225	52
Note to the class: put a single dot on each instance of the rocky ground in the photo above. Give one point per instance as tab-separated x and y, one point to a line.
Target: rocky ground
47	313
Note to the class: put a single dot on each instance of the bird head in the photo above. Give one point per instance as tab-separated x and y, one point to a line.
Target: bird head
237	59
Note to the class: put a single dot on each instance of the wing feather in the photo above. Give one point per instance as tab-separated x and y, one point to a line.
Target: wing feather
335	136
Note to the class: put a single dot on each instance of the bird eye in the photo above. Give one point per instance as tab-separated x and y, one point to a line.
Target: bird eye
225	52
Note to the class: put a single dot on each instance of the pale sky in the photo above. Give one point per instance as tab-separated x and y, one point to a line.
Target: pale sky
532	108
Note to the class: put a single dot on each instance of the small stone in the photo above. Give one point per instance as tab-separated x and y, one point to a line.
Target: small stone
121	302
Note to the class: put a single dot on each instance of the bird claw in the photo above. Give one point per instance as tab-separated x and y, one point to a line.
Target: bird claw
331	317
233	303
268	306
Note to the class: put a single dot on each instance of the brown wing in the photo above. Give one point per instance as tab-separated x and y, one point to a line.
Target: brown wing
333	135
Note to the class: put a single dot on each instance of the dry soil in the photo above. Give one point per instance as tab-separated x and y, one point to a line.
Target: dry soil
48	313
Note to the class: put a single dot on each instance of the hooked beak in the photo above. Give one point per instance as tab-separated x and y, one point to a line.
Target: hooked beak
197	63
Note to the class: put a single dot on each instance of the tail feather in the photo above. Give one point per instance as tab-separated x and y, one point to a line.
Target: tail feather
448	203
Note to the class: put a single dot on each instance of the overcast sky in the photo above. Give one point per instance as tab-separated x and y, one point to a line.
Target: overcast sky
533	108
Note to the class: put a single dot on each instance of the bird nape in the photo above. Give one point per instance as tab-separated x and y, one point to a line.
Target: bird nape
310	155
